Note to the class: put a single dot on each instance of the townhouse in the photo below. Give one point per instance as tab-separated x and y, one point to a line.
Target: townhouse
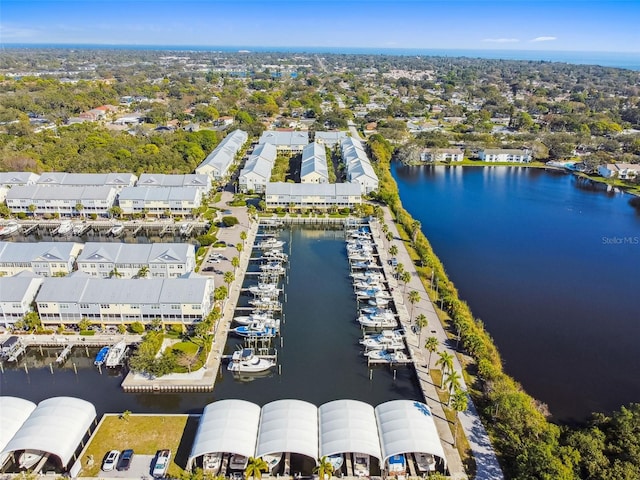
442	155
61	199
313	195
17	294
313	168
358	166
158	201
193	180
218	162
42	258
257	170
115	180
505	155
285	141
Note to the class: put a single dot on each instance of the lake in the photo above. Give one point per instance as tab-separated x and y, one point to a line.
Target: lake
550	264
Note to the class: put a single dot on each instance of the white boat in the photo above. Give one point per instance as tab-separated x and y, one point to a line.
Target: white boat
368	275
80	228
425	462
385	340
238	462
367	284
375	311
271	222
387	356
249	319
30	458
246	361
265	289
265	303
211	462
116	354
371	321
65	228
255	329
269	244
360	257
9	229
366	265
397	465
378	302
373	293
336	460
162	463
273	267
185	229
276	255
361	464
272	461
116	230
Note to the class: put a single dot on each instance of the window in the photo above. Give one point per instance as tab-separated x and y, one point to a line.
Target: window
104	305
84	305
175	307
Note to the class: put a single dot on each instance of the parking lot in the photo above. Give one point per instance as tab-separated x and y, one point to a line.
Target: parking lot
140	468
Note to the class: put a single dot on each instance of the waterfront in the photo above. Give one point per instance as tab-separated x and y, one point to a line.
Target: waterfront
537	257
320	358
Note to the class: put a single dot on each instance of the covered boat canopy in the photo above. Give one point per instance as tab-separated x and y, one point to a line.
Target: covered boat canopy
407	426
288	426
13	413
348	426
226	426
56	426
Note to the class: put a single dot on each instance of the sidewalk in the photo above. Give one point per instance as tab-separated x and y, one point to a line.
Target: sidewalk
487	464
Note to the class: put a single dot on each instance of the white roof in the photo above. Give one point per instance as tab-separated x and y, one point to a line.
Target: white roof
13	413
227	426
288	426
348	426
407	426
56	426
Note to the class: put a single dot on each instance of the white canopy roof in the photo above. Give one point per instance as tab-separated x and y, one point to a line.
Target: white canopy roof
288	426
228	426
407	426
348	426
13	413
56	426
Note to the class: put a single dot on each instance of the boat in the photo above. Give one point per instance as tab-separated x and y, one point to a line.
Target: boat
367	275
387	356
256	330
265	317
272	461
361	464
116	354
276	255
374	310
162	463
9	229
270	244
336	460
211	462
116	230
373	293
65	228
360	256
425	462
385	340
238	462
397	465
271	222
265	289
101	356
370	321
378	302
365	265
80	228
246	361
185	229
273	267
367	284
30	458
265	303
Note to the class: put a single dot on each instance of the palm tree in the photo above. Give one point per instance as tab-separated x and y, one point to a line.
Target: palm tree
220	293
388	236
414	297
243	236
239	247
421	322
445	361
115	273
393	250
324	468
406	278
255	467
432	346
453	383
235	261
228	278
415	228
32	208
459	403
79	208
143	272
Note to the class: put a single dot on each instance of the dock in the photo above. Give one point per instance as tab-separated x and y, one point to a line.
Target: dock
64	354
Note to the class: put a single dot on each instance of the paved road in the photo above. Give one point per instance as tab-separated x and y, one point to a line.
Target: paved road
488	467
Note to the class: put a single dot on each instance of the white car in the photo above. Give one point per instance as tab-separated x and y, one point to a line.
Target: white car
111	460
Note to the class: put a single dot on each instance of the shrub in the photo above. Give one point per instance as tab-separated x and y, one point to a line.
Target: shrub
229	221
206	240
136	327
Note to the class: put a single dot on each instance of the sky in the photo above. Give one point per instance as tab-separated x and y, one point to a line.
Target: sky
540	25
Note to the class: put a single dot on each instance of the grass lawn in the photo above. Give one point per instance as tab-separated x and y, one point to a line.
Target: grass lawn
145	434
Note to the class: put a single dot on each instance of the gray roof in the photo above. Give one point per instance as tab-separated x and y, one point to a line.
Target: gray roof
161	180
504	151
105	290
330	138
290	138
17	178
12	289
86	179
60	192
260	161
159	193
138	253
314	160
36	251
313	189
222	156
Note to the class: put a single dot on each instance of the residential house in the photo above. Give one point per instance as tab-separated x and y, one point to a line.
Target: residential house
61	200
358	165
42	258
203	182
442	155
505	155
12	179
330	139
68	300
17	294
312	195
285	141
126	260
313	168
217	163
115	180
622	171
257	170
158	201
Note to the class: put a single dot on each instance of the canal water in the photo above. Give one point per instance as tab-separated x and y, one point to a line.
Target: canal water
319	360
550	264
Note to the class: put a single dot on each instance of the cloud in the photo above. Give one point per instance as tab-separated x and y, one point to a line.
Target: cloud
501	40
10	32
544	39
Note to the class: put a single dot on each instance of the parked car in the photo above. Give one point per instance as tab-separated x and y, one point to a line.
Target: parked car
111	460
125	460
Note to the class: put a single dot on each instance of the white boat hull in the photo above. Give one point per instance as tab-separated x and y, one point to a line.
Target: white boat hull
30	458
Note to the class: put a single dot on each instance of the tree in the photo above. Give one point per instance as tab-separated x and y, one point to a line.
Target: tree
229	277
220	293
421	322
143	272
32	208
79	208
431	344
452	382
388	236
235	262
243	236
459	403
84	324
255	467
324	468
406	278
414	297
115	211
137	328
239	247
115	273
415	228
393	250
32	321
122	329
229	221
445	361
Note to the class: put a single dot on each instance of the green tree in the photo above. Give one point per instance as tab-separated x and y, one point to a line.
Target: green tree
414	297
452	382
220	293
459	403
32	321
431	344
122	329
32	208
115	273
445	362
255	467
239	247
393	250
84	324
243	236
115	211
235	262
388	236
229	277
324	468
406	278
415	228
137	328
143	272
80	208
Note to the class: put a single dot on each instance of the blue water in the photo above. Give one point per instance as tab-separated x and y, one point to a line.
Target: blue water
550	266
628	60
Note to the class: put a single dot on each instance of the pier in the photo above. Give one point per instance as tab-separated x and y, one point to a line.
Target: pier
64	354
